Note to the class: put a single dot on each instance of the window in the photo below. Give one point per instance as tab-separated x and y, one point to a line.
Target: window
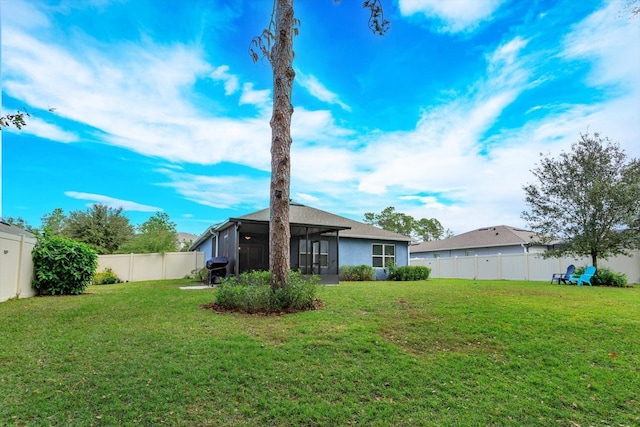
382	254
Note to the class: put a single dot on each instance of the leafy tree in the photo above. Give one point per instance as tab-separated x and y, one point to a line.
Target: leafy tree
276	44
423	229
588	198
156	235
55	222
103	228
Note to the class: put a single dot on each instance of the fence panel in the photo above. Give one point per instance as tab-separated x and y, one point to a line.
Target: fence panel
514	267
522	266
137	267
488	266
16	266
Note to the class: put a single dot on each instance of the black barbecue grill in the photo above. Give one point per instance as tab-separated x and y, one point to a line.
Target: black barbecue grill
217	267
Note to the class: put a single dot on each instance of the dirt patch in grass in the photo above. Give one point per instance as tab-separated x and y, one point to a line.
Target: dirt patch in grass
217	308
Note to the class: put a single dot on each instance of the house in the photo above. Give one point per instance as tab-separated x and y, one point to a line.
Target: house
320	243
500	239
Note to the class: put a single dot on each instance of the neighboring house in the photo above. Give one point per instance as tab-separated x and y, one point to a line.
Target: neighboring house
185	240
320	243
500	239
5	227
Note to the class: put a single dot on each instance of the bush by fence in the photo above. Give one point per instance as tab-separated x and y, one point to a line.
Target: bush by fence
106	277
62	266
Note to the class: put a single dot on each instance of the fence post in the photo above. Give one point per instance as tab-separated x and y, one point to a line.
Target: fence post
475	269
455	265
499	266
19	275
131	267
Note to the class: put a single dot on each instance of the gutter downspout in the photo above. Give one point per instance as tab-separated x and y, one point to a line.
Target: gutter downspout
237	250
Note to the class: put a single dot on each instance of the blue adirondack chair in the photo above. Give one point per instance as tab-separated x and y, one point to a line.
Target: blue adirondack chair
563	277
585	277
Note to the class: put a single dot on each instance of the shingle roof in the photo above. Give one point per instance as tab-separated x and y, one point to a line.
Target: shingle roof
499	235
301	214
304	215
12	229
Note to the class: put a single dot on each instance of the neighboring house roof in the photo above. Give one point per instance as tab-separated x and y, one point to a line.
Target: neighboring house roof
12	229
499	235
301	217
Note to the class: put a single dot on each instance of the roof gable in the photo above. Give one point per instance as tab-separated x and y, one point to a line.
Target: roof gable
499	235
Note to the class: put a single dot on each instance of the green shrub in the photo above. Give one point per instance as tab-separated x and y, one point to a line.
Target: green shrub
409	273
106	277
199	274
606	277
62	266
357	273
251	293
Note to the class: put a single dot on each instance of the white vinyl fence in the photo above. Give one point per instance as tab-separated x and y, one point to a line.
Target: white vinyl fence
521	266
16	266
137	267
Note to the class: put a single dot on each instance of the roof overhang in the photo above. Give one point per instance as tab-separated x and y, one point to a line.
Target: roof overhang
297	229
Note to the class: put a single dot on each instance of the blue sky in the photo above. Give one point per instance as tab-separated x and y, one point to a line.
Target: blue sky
158	106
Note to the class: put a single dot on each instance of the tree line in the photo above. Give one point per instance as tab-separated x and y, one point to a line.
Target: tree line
420	230
107	230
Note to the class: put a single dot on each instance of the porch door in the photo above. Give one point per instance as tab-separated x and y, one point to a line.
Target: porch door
320	256
251	258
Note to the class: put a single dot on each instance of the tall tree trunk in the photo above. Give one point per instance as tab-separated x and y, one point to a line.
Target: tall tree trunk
283	75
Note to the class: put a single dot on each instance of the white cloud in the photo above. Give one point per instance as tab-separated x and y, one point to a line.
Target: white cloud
23	14
305	198
221	192
455	16
111	202
312	85
231	82
259	98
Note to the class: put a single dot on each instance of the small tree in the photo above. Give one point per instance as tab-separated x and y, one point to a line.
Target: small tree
156	235
103	228
587	200
55	222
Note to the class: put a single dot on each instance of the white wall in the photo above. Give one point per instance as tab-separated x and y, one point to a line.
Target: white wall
137	267
522	266
16	266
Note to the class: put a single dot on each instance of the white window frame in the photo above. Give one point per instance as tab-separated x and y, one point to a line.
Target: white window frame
384	256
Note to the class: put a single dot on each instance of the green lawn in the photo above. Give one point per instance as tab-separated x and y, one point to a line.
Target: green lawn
441	352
